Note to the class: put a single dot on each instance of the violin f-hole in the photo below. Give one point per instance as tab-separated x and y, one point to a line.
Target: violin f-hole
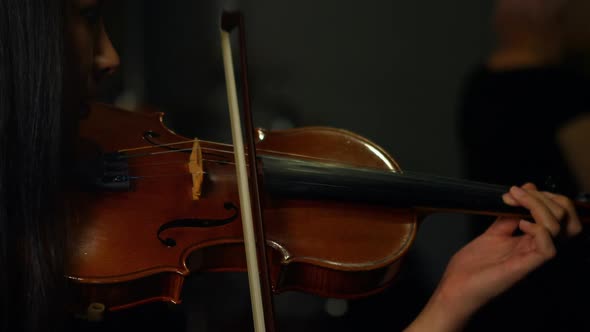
197	223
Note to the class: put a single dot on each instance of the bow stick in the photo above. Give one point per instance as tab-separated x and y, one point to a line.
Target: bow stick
254	240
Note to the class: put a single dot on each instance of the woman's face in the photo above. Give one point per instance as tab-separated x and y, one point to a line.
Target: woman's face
90	55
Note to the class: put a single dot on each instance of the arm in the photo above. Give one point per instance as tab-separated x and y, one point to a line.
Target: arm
496	260
574	140
441	314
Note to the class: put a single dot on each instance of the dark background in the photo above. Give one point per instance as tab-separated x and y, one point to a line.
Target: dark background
391	71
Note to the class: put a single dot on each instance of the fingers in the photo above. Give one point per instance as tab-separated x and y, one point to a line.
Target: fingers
574	224
556	209
546	208
538	208
542	239
503	226
529	186
508	199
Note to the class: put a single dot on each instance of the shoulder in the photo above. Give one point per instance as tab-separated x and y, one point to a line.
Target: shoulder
555	92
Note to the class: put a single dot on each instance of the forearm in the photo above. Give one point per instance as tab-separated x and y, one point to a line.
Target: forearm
443	313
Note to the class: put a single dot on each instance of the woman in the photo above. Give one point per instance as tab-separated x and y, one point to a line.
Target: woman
53	53
535	71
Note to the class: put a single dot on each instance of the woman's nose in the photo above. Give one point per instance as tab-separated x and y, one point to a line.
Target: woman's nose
106	59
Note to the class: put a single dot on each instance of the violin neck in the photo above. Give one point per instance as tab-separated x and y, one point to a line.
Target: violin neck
293	178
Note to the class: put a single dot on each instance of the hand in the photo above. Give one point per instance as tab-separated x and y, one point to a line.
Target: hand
496	260
547	208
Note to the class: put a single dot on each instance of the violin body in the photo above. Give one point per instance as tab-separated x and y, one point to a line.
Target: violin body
325	247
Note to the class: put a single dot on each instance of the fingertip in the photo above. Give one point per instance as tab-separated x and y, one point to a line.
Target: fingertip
503	225
530	186
542	238
526	227
517	192
573	229
525	224
573	225
509	199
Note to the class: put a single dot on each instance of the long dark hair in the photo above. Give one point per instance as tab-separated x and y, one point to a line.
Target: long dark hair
31	145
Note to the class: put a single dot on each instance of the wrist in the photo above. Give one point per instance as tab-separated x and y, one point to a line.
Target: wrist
444	312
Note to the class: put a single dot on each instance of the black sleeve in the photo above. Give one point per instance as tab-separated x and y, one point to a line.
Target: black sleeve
508	121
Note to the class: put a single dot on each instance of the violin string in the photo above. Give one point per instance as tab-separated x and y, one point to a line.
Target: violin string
438	179
147	154
146	147
180	162
412	177
176	162
462	186
140	177
159	145
213	150
206	149
465	186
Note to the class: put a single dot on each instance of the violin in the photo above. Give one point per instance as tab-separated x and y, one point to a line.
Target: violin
152	221
339	213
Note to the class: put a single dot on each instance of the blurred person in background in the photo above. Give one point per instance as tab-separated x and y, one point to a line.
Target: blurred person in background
525	116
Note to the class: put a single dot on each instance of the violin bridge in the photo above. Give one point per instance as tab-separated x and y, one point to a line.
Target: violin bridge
195	166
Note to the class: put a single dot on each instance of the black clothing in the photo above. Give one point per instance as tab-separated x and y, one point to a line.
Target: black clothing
508	123
508	126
